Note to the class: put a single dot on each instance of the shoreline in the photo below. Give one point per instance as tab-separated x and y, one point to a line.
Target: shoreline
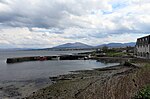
19	89
78	85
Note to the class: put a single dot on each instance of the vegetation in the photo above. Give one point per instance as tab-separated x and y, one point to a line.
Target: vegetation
144	93
115	54
126	52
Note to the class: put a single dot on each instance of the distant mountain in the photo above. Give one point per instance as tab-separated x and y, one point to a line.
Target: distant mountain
131	44
72	46
115	45
18	49
76	45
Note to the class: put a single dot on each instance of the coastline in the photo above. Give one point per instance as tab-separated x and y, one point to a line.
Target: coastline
116	82
13	89
100	83
19	89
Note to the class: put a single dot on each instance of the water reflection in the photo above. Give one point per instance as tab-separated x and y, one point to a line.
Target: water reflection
44	69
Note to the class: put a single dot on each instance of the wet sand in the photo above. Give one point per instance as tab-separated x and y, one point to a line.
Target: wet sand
20	89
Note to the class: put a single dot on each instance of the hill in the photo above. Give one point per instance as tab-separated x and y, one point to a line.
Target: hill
76	45
115	45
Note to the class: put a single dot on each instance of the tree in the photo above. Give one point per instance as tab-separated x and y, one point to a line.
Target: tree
105	49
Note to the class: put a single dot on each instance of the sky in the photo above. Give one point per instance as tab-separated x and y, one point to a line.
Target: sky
48	23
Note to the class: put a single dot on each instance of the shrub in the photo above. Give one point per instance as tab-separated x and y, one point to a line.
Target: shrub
143	93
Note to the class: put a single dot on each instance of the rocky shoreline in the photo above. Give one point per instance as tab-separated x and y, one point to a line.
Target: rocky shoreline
20	89
17	89
116	82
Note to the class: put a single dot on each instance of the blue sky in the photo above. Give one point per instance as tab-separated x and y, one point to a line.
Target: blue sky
48	23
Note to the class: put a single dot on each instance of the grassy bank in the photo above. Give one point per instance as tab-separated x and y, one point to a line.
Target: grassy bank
143	80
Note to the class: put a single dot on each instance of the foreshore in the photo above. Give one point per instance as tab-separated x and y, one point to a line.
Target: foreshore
19	89
116	82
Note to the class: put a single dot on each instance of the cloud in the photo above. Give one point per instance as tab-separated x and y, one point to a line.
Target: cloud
45	13
45	23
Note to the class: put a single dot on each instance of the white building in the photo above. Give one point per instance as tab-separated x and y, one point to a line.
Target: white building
142	48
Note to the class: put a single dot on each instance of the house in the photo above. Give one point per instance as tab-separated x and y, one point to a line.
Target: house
142	48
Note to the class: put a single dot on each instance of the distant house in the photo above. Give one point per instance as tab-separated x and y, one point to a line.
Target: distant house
142	48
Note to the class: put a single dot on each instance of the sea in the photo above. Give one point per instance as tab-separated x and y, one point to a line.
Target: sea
43	69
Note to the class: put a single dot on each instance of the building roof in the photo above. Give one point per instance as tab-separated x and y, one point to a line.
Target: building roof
144	37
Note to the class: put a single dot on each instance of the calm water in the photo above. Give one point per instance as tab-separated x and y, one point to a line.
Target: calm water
42	69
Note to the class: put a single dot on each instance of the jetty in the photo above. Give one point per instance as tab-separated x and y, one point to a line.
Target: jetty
44	58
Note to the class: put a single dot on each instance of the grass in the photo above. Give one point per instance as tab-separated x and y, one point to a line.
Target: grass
115	54
144	93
